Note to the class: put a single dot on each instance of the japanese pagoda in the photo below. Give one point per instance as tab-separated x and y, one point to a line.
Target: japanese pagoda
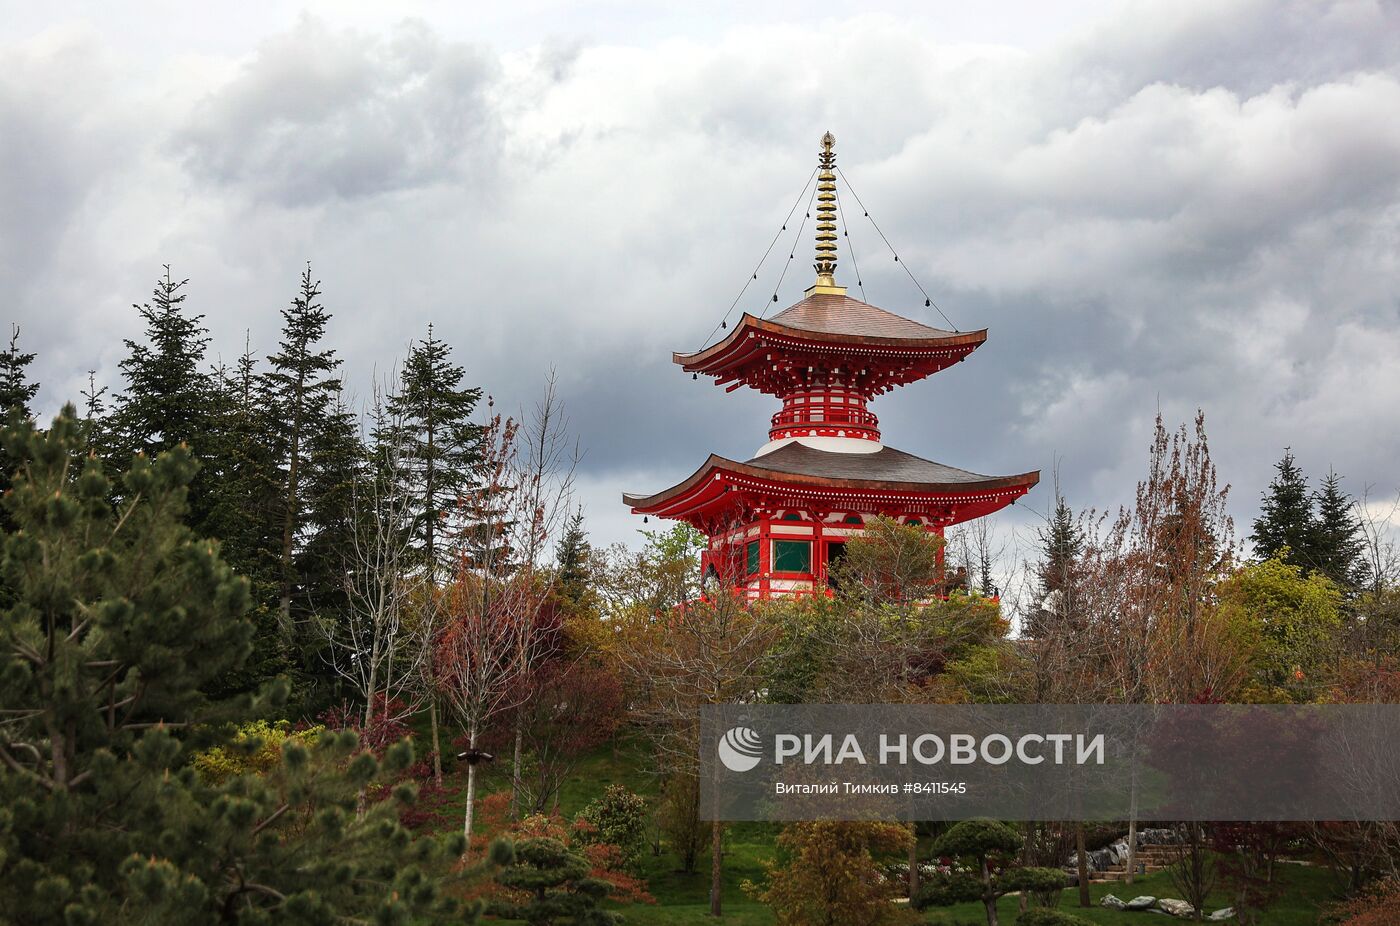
778	521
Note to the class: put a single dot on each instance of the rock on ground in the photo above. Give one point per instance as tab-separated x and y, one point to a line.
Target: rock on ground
1176	907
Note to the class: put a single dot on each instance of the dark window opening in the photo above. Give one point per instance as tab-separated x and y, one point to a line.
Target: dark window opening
792	556
835	555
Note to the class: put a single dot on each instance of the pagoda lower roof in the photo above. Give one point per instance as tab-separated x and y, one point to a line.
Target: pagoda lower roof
796	475
828	332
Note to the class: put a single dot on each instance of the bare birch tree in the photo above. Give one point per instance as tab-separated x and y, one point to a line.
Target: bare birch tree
493	634
380	645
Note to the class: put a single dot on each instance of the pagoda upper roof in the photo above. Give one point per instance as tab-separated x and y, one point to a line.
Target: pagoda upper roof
831	331
799	470
829	313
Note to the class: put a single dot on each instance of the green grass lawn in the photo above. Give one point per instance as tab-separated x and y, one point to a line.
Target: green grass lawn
683	899
1306	891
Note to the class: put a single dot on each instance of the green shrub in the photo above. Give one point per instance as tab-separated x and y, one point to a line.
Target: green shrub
256	748
618	818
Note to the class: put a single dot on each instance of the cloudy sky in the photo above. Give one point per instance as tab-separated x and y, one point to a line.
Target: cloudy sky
1151	205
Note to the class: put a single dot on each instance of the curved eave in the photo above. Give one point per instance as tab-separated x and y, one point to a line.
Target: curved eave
719	356
717	473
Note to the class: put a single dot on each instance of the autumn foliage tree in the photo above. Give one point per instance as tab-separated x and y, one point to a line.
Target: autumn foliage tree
828	874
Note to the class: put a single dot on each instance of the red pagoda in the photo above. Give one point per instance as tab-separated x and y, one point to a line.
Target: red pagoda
778	521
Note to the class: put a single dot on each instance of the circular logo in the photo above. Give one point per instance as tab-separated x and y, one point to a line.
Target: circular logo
740	749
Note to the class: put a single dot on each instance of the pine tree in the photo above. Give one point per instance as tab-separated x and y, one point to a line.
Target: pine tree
300	387
120	620
167	395
556	885
1338	549
1286	517
441	446
571	559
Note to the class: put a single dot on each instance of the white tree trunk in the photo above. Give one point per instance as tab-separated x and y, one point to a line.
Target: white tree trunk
471	793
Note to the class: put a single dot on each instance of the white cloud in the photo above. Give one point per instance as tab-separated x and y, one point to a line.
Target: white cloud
1179	205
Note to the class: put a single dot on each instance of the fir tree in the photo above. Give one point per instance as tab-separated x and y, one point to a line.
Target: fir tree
335	457
1061	542
1286	519
441	447
16	391
245	515
1338	543
167	395
301	386
571	560
94	415
120	620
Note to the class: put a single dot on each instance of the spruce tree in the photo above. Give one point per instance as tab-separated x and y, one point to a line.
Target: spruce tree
1286	517
245	514
1061	542
1338	543
335	457
167	391
120	620
441	446
571	559
300	386
16	391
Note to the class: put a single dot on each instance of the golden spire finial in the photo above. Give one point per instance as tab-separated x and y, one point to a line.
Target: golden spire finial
826	221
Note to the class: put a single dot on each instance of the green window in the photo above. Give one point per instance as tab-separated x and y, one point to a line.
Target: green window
792	556
752	555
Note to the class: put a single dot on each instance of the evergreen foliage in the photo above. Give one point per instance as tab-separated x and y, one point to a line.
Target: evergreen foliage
1285	525
1316	531
618	818
1061	542
441	446
315	447
554	887
1338	550
571	559
988	846
168	396
16	391
120	619
245	514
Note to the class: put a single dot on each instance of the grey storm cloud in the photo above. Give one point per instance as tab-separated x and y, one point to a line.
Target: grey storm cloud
319	112
1173	206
